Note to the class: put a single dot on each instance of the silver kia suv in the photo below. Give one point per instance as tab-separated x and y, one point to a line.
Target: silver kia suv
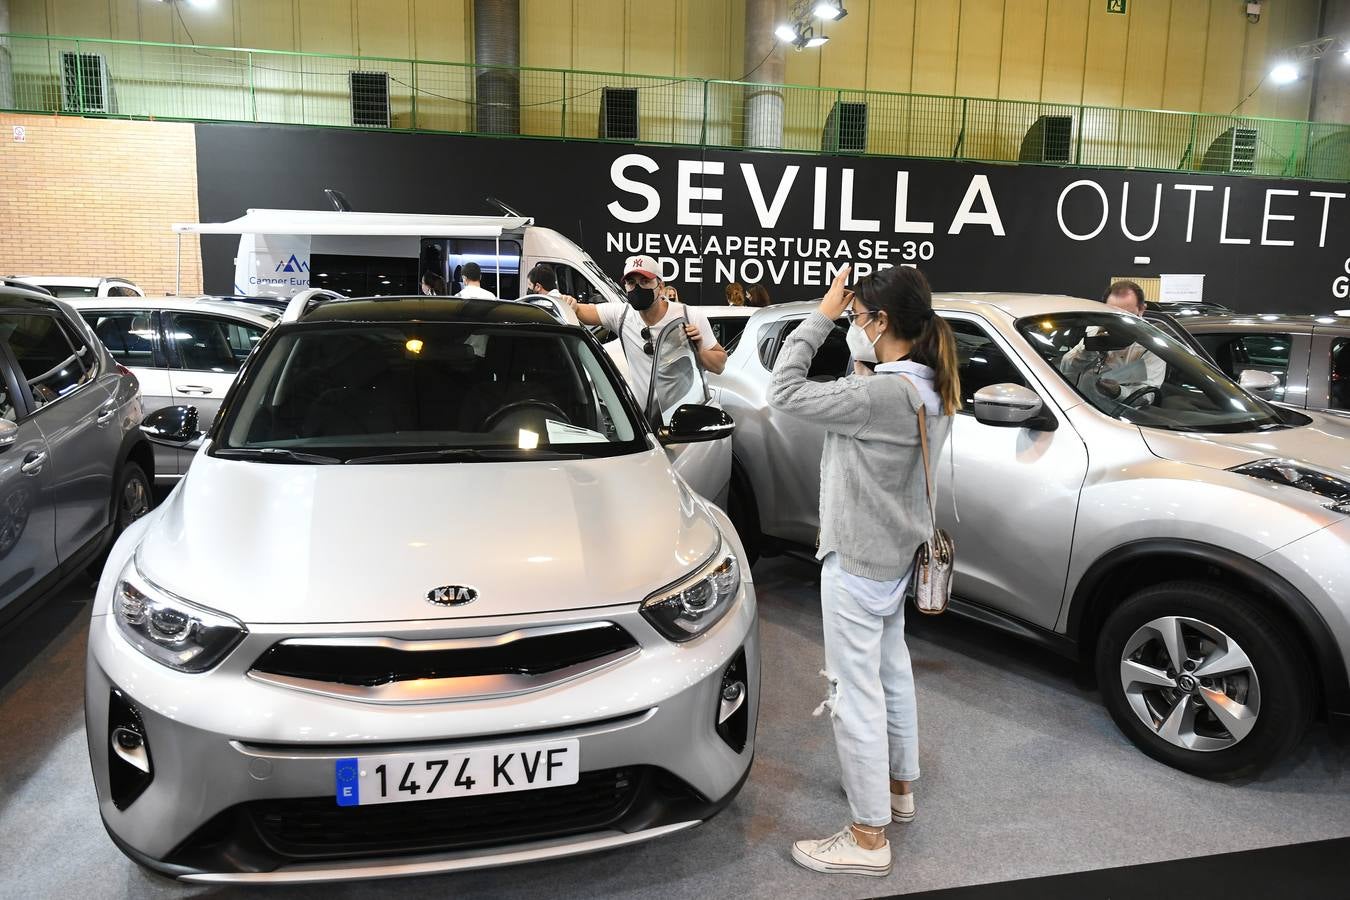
1187	537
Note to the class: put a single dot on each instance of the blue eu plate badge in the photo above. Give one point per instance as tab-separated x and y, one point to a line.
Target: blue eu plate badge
347	775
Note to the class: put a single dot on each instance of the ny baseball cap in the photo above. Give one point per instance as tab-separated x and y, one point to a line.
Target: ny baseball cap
641	265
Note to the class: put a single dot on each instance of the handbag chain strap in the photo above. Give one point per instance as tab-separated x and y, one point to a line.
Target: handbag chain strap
927	475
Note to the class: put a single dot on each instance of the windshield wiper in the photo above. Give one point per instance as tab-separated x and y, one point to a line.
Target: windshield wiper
461	454
276	454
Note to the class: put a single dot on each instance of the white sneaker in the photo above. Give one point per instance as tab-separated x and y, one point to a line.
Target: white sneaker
840	854
902	807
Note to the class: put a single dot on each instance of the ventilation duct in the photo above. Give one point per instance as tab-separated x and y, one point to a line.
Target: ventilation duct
1047	140
619	114
370	98
845	128
86	83
1232	151
496	38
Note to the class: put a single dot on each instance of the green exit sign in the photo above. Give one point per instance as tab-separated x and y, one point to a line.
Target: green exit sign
1116	6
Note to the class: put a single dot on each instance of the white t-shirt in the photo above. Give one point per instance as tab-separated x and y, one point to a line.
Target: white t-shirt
476	292
639	362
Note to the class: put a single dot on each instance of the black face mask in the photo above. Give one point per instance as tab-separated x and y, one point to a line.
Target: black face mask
641	298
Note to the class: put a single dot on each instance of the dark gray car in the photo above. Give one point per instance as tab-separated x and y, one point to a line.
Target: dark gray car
1310	355
74	466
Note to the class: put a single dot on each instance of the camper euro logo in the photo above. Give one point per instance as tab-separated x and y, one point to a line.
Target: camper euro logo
294	264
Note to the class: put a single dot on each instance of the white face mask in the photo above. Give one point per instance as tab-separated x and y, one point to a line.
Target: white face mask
860	346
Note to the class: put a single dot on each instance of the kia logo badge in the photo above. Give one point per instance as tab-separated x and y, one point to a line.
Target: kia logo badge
452	595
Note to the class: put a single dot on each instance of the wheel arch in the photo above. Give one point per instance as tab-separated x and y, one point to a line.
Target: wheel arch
136	448
1135	565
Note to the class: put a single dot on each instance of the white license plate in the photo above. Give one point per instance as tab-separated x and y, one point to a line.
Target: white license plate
461	772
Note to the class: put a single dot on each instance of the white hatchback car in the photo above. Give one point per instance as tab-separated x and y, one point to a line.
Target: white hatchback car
431	597
181	350
82	287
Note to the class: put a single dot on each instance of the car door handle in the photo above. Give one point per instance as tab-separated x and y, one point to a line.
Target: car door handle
33	462
193	389
105	414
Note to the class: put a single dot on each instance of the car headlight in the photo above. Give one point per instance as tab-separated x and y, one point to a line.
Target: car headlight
690	607
169	629
1305	478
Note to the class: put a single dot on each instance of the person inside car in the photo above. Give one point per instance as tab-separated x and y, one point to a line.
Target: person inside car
472	289
1131	373
638	323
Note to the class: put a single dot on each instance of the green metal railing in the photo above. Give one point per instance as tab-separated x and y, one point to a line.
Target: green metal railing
143	80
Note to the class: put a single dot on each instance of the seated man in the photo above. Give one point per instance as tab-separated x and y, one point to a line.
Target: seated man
1116	372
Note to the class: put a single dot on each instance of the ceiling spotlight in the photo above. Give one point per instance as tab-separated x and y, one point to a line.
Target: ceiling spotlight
830	9
785	33
816	41
1284	73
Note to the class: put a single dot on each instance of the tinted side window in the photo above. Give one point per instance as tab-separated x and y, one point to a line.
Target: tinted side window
128	334
1264	352
831	360
46	358
1340	374
7	410
728	330
210	343
982	362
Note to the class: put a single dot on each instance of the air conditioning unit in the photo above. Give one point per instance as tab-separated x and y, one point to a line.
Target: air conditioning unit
86	83
370	98
1047	140
619	114
845	128
1232	151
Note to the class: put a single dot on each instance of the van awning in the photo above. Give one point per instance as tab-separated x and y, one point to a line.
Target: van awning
310	221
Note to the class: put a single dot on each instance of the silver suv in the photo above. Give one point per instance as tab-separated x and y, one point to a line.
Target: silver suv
74	467
1190	539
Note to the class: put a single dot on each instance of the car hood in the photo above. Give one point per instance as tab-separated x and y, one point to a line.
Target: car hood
275	543
1323	443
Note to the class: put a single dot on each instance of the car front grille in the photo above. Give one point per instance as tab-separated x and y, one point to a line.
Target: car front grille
390	670
316	827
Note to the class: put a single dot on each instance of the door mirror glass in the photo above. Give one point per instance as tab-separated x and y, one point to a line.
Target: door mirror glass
677	377
172	426
693	422
9	433
1006	405
1259	382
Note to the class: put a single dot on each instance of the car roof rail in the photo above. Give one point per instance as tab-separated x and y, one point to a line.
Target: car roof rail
306	300
14	282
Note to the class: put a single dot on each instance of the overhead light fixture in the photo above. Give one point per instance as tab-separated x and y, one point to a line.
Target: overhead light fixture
1284	73
832	10
785	33
816	41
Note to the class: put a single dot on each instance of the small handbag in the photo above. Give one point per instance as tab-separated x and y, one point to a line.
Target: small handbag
931	578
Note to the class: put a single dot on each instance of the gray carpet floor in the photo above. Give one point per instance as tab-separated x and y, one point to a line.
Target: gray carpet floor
1024	775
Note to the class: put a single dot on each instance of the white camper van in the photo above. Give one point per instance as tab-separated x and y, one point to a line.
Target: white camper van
360	254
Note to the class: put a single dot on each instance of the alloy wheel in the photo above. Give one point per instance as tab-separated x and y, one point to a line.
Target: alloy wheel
1191	683
134	502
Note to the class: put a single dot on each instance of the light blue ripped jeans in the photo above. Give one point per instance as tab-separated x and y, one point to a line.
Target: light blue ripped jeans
871	699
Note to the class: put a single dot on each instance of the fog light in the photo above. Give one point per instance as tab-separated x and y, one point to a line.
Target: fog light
733	713
130	769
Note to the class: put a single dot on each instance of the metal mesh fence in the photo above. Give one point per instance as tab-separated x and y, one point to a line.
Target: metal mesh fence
174	81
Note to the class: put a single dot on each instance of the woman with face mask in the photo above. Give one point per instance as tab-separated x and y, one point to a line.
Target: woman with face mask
874	514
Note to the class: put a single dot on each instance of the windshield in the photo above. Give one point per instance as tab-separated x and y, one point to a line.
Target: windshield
427	391
71	292
1134	372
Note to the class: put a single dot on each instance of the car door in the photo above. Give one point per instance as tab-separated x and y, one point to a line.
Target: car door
77	416
677	379
132	336
27	502
1008	496
206	349
1329	370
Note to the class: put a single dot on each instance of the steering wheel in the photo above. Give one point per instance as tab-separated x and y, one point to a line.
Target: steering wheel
1139	394
496	416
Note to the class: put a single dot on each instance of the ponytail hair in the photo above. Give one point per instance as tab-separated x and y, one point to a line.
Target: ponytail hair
903	294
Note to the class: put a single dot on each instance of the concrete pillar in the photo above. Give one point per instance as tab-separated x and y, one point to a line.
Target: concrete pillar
766	56
1331	84
6	64
496	42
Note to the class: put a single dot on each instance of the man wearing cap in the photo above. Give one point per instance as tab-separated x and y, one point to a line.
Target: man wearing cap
639	322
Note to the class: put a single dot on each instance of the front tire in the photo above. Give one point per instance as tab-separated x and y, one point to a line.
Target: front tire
744	516
132	498
1202	678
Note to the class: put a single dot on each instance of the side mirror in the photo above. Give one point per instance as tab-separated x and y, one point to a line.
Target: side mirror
694	422
172	426
1256	381
9	433
1007	406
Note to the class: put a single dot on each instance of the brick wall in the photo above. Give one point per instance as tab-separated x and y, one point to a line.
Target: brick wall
97	197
